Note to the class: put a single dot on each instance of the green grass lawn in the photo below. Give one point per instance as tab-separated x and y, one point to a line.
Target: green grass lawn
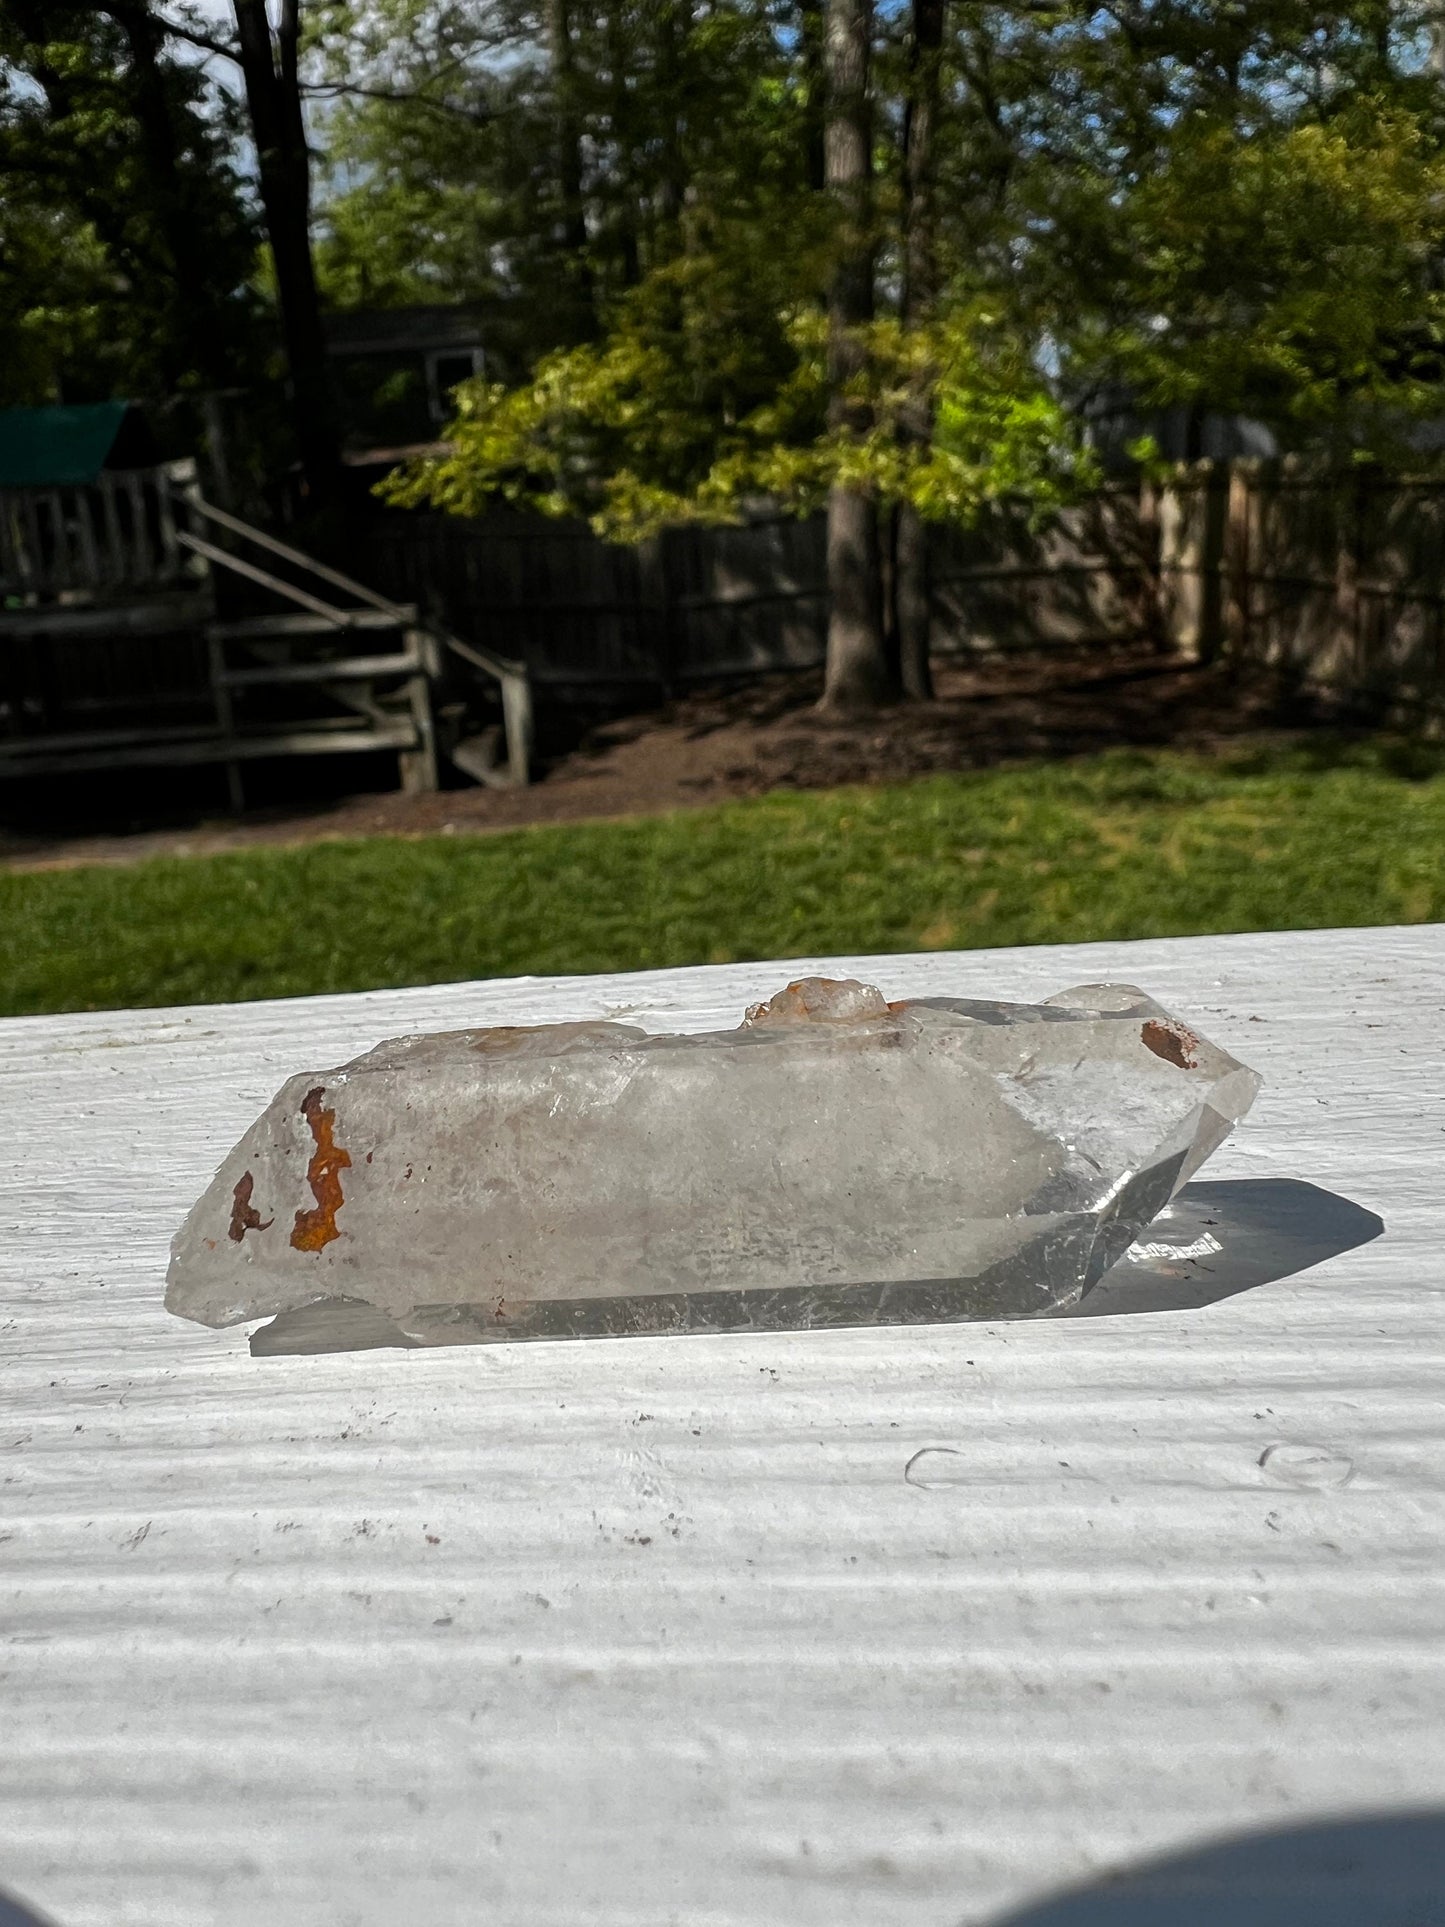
1121	845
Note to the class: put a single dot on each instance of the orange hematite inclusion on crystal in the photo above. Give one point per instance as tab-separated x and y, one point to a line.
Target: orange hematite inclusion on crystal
313	1229
244	1215
1173	1042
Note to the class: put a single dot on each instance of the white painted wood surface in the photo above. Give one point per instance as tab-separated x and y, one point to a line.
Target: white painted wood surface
653	1631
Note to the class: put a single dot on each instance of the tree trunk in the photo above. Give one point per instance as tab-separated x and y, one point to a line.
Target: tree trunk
581	323
674	30
857	668
628	132
192	338
911	601
811	42
199	338
269	68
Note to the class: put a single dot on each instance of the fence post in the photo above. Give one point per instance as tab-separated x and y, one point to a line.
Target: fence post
653	578
1149	596
1345	653
517	727
1237	559
1191	558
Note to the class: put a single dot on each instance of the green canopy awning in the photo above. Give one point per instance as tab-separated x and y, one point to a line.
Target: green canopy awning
57	447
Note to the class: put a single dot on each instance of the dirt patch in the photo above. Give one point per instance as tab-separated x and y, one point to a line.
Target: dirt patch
744	741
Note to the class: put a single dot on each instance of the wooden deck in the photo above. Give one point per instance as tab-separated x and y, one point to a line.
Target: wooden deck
119	648
894	1628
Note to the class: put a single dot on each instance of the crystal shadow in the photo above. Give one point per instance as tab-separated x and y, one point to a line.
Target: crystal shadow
1264	1228
1261	1229
1374	1870
12	1914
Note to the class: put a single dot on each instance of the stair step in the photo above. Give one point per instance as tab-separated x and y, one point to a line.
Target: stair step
58	755
350	669
253	628
158	617
484	759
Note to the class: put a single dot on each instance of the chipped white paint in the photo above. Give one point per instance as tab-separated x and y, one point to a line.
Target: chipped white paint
657	1630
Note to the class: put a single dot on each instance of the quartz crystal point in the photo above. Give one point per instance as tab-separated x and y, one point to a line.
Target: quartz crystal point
837	1160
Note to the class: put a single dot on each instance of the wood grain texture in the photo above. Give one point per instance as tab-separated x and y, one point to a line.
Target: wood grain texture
654	1631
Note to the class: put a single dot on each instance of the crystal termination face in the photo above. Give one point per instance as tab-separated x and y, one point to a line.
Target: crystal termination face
837	1160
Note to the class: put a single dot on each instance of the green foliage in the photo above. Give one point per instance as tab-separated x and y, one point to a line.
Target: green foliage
57	297
702	363
705	397
367	256
441	164
126	244
425	196
1292	272
1220	207
1225	207
1117	846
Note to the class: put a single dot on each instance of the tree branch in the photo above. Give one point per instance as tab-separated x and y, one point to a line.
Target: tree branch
335	89
227	49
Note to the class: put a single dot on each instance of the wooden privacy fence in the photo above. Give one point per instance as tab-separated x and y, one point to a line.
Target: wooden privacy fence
125	639
696	603
1336	581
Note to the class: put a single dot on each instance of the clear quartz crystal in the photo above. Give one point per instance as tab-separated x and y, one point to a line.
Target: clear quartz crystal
837	1160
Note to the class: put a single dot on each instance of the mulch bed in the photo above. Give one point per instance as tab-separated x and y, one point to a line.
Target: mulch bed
739	740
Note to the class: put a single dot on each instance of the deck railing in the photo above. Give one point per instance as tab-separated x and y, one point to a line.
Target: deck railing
100	540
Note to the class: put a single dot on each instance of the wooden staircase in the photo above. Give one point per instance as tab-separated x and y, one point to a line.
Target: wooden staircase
367	662
301	661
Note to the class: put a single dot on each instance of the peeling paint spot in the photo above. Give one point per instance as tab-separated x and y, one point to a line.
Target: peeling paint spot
1172	1042
315	1229
244	1215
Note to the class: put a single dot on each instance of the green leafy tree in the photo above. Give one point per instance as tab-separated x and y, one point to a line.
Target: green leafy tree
545	159
1292	275
62	316
745	249
741	350
1220	207
703	415
126	244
